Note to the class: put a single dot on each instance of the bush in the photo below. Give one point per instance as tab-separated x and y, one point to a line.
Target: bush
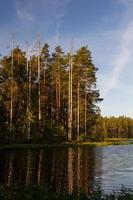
54	129
82	138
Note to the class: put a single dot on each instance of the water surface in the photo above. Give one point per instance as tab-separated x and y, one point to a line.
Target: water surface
64	168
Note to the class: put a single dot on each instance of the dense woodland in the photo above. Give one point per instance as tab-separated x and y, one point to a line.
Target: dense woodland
44	94
115	127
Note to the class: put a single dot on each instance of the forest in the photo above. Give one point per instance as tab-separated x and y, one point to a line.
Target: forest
46	95
113	127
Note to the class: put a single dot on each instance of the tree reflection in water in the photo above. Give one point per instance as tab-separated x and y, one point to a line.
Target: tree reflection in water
59	168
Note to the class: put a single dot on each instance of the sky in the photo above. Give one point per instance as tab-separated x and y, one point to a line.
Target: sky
106	26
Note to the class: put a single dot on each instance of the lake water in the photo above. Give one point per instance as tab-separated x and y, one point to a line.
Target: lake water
64	168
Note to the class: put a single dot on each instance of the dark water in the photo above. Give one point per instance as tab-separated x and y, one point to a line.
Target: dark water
108	167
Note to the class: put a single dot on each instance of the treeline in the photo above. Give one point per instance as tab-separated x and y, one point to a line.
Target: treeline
45	93
114	127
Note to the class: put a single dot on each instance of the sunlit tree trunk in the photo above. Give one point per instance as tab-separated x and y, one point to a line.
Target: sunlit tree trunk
56	99
78	111
11	78
70	98
57	94
85	110
27	69
28	92
44	92
69	92
29	103
39	88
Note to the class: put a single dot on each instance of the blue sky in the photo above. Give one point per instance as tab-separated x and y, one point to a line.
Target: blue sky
106	26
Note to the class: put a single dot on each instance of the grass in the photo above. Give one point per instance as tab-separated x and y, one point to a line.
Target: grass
108	143
43	193
66	144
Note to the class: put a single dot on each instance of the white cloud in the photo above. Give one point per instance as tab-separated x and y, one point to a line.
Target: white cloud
122	59
62	6
49	12
125	52
23	13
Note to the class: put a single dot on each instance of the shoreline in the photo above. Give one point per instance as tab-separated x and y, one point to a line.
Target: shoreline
66	144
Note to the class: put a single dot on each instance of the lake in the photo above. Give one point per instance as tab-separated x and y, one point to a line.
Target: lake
64	168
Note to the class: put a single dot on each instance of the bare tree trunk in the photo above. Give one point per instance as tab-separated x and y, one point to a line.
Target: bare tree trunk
27	69
11	101
59	96
85	111
78	119
44	92
69	92
70	100
39	88
29	103
57	100
51	105
28	92
71	96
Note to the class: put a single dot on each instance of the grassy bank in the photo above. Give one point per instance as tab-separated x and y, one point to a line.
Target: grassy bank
43	193
108	143
66	144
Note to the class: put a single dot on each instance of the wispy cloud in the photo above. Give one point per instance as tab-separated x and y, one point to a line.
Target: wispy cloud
126	2
46	14
59	23
62	12
123	58
23	12
124	54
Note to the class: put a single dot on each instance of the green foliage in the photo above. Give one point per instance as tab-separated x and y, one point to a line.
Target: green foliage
115	127
54	94
54	118
53	129
82	138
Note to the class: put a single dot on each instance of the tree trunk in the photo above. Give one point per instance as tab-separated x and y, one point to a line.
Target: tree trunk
44	88
57	100
85	111
59	97
78	120
70	101
11	101
29	104
39	89
28	93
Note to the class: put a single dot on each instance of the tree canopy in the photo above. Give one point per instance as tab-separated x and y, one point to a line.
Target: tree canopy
40	93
